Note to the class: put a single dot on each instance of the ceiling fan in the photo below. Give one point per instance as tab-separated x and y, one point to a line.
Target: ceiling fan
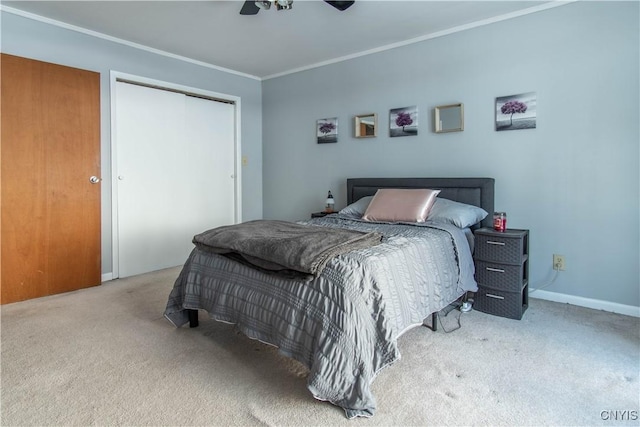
251	7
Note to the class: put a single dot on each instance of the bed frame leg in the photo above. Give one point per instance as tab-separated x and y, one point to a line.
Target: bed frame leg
193	318
434	322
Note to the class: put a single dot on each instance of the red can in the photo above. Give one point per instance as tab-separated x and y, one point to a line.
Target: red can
500	221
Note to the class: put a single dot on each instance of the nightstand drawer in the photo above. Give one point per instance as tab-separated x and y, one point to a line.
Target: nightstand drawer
500	303
500	276
502	248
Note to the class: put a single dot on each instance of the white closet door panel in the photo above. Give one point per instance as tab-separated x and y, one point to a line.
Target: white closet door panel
211	135
149	122
175	161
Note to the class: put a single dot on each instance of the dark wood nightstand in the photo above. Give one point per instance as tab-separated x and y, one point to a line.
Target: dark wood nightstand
502	272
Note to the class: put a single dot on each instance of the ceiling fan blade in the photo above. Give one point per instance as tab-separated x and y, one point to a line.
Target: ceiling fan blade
249	8
340	5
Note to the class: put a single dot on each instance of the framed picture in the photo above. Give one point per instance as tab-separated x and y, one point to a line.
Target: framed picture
403	121
365	125
516	112
327	130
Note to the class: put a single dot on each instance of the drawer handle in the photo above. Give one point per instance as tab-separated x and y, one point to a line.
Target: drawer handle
491	242
497	270
494	296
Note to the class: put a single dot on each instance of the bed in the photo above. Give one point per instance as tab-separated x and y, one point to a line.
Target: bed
344	323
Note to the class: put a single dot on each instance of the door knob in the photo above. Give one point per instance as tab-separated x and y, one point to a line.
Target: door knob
94	180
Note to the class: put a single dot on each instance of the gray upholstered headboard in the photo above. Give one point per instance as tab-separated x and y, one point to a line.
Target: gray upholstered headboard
473	191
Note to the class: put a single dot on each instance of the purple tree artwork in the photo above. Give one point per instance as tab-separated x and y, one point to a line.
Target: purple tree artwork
327	130
513	107
327	127
403	121
523	106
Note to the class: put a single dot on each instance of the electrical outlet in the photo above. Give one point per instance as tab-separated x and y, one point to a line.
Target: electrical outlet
558	262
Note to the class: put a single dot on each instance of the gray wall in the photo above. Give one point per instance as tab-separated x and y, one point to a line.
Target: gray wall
45	42
573	181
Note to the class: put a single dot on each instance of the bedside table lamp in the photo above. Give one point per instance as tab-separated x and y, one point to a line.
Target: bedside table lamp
329	203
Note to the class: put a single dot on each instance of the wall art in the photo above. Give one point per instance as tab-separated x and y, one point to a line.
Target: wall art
327	130
449	118
516	112
365	125
403	121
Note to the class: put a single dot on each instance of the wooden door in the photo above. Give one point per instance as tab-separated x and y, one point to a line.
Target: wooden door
50	148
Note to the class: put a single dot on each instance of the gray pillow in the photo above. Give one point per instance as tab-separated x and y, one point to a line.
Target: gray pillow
358	208
456	213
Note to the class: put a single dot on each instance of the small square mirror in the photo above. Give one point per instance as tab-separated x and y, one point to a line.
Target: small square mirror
449	118
366	125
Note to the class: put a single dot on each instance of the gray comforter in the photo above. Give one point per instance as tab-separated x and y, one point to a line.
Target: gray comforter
288	248
344	324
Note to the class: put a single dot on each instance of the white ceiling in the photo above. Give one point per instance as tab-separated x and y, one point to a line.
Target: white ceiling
272	42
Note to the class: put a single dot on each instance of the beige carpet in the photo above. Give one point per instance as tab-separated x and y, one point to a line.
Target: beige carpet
106	356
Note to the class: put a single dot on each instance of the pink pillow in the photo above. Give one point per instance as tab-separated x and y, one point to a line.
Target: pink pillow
401	205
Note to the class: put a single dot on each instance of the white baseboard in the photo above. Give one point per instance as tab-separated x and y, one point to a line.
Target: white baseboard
613	307
106	277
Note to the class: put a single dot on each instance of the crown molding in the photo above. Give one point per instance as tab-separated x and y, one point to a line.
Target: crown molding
70	27
495	19
425	37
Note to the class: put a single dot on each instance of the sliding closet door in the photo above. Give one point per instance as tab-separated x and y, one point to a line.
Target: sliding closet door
175	167
210	125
